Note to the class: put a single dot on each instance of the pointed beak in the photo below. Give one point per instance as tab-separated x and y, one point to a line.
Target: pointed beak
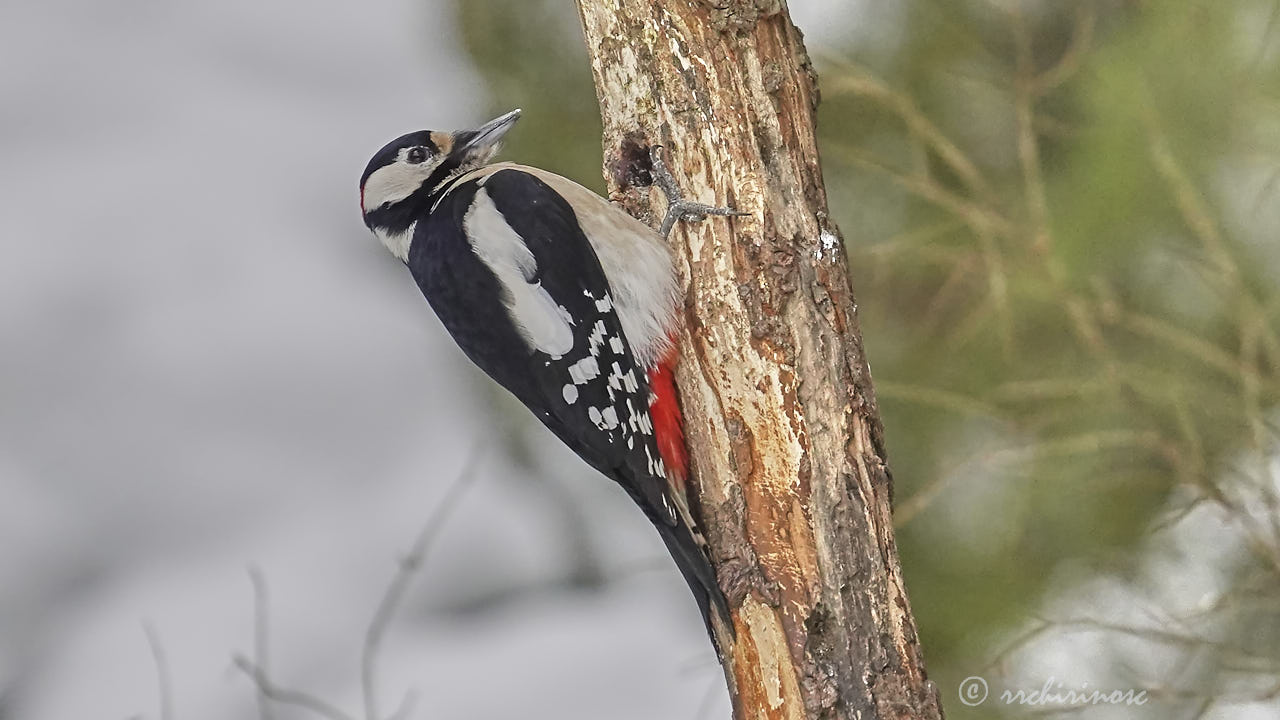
490	134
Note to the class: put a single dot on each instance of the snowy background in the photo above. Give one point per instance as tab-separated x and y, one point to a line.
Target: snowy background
207	364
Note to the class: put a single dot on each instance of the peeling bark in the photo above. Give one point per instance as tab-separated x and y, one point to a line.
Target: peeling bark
781	416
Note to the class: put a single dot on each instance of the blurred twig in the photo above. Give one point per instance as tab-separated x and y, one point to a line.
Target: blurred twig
857	81
1070	60
392	598
394	595
164	681
1192	206
1184	342
938	398
974	215
998	287
1081	444
1025	91
1041	389
261	636
920	241
945	298
286	696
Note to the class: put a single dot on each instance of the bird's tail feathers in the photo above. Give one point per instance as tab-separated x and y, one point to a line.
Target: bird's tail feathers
689	552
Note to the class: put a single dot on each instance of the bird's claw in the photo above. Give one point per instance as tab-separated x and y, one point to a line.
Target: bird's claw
677	207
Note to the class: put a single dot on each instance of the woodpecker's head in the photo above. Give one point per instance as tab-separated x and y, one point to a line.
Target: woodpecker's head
398	183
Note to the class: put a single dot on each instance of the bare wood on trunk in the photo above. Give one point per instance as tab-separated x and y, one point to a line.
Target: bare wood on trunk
782	421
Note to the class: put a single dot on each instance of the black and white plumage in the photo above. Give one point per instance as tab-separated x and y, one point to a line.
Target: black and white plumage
563	299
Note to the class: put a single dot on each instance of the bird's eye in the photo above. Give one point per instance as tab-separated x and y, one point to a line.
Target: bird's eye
416	155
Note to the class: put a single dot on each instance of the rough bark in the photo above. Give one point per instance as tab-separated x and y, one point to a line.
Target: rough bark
781	415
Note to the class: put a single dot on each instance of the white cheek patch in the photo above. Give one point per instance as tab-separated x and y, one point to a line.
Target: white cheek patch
397	243
393	183
533	311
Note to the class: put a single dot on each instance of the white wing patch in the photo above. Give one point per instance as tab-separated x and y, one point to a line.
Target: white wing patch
536	315
636	260
638	264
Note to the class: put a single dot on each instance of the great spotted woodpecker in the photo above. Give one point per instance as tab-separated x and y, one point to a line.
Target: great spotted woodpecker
562	298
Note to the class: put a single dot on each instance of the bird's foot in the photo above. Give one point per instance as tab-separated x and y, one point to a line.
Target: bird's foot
678	208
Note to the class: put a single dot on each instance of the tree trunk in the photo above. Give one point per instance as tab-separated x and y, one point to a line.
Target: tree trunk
780	412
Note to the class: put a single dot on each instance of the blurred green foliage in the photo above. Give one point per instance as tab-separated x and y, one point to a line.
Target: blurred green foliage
531	54
1062	222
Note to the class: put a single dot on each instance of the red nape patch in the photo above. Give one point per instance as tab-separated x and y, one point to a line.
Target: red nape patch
668	424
